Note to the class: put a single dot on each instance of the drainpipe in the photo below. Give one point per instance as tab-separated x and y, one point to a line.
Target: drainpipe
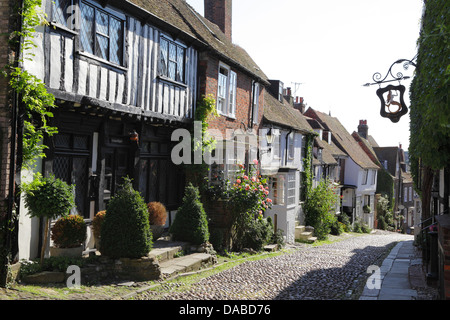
286	149
252	104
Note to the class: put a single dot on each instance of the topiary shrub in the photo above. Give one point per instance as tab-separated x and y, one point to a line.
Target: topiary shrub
69	232
190	223
125	232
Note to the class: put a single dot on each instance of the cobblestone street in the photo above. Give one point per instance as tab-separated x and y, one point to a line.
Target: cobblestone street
329	271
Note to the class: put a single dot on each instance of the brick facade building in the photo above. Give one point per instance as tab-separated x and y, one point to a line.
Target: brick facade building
7	141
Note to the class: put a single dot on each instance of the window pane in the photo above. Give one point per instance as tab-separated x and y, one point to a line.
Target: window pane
60	14
101	46
163	57
233	93
172	52
180	64
172	68
101	23
172	61
87	28
115	41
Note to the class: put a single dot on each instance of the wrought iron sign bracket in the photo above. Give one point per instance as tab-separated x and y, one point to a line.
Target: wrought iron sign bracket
390	108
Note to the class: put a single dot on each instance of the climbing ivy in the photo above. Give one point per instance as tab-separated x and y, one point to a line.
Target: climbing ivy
198	173
34	99
429	93
34	105
307	167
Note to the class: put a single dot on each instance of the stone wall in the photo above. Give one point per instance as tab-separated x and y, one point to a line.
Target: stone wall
106	270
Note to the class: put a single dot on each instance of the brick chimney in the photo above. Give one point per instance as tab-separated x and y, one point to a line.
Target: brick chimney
220	13
363	129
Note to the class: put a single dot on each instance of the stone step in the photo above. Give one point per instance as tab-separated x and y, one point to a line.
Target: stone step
165	250
271	247
188	263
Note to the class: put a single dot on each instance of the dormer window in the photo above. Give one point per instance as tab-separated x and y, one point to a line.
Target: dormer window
280	92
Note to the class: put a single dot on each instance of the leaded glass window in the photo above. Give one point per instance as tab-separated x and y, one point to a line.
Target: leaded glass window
101	33
60	11
171	60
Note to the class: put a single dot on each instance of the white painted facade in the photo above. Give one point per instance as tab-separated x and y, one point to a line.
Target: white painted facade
364	194
283	165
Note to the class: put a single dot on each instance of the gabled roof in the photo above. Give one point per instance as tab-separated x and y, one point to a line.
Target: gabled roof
366	145
327	156
343	139
182	16
283	114
391	155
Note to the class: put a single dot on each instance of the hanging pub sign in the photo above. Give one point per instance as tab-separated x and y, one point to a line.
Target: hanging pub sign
393	105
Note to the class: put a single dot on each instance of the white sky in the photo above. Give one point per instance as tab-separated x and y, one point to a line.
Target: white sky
332	48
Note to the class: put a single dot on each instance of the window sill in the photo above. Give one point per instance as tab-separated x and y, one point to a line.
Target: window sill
229	116
57	26
177	83
106	62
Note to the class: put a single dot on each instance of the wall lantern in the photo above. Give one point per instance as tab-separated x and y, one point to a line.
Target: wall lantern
270	137
393	105
134	136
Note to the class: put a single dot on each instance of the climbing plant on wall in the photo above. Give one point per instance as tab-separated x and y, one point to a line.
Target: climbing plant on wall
307	173
34	100
429	93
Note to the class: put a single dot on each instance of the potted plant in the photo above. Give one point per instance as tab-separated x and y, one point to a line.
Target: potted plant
157	216
97	227
68	235
47	198
366	209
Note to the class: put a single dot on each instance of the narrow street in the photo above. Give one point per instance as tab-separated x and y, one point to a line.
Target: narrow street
327	272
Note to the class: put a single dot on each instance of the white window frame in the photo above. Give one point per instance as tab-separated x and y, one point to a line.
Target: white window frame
291	189
226	91
256	92
291	145
374	176
365	173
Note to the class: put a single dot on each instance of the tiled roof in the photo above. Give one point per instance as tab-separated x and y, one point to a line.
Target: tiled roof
283	114
182	16
327	156
343	139
390	154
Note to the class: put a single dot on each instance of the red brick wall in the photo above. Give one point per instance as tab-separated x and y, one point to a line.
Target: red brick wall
208	75
5	106
220	13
